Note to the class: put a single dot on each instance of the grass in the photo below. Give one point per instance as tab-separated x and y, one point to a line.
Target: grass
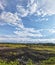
34	46
50	49
9	45
16	62
50	61
3	62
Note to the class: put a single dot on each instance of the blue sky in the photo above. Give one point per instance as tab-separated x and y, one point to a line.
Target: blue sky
27	21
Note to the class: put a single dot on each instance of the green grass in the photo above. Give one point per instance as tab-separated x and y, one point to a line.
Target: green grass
16	62
50	61
41	48
50	49
9	45
34	46
3	62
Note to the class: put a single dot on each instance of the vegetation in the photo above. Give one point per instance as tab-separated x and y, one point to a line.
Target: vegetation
27	54
50	61
3	62
9	45
29	62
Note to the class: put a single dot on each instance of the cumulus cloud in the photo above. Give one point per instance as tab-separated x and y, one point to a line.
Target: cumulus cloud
25	40
30	2
46	7
27	34
33	7
47	32
25	12
52	31
2	4
30	9
39	7
11	19
22	11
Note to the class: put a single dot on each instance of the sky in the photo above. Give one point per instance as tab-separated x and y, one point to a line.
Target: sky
27	21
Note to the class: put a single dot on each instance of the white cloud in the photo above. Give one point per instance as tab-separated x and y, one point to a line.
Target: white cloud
26	40
32	8
30	2
46	7
2	4
11	19
28	32
26	36
22	11
47	32
32	30
38	7
52	40
52	31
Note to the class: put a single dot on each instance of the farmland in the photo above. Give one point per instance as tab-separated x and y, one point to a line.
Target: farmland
27	54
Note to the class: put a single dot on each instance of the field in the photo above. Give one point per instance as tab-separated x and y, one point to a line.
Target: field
27	54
